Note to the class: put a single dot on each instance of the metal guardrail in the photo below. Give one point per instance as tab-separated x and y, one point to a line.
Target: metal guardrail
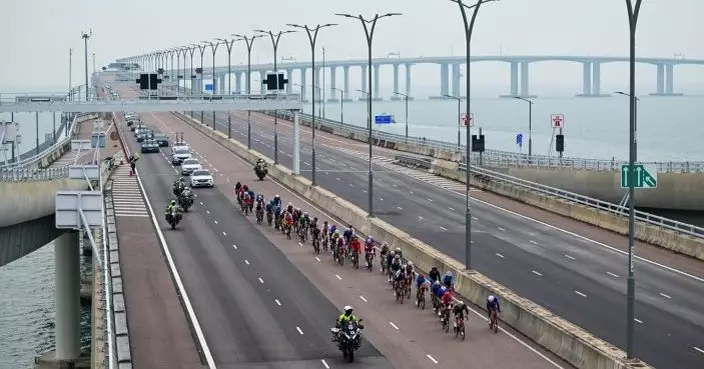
32	161
32	175
498	158
159	98
606	206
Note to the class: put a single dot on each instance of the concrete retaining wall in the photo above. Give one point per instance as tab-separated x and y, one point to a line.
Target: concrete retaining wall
658	236
25	201
566	340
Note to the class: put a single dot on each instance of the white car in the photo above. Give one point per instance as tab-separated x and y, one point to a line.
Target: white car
188	166
179	155
202	178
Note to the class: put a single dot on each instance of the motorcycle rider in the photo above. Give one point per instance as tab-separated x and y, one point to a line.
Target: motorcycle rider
170	207
260	165
345	318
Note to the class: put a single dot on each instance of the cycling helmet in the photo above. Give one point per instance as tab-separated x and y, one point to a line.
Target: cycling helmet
409	263
491	298
397	256
420	276
337	231
460	303
448	274
437	283
370	239
305	215
433	268
277	196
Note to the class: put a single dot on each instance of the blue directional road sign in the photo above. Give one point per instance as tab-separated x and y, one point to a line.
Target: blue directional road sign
519	139
646	176
382	119
208	86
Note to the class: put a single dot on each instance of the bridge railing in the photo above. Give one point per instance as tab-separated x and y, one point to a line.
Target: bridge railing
606	206
32	174
496	158
34	160
29	99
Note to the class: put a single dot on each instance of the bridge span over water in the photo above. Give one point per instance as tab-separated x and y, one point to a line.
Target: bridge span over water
450	71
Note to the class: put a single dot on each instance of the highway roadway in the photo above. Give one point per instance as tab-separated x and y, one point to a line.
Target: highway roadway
266	302
566	272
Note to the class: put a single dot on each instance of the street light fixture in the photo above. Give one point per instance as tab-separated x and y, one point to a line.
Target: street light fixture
369	34
214	49
275	38
229	45
201	49
85	37
459	118
312	38
342	104
405	98
468	28
530	125
249	41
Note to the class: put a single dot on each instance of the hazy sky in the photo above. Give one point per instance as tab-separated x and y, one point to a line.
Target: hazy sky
35	35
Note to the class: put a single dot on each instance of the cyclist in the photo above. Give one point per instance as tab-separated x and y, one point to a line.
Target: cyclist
492	304
459	311
421	285
447	280
348	234
434	274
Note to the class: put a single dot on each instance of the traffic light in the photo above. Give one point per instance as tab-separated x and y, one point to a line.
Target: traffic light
199	70
160	71
154	81
478	143
143	81
275	81
560	143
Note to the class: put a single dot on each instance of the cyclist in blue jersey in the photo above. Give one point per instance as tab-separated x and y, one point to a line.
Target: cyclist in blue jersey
447	280
492	304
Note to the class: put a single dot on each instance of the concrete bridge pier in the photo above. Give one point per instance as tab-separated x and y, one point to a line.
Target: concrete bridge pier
591	83
395	97
238	82
456	77
319	83
68	285
377	72
364	82
524	82
289	76
333	85
665	81
304	90
346	82
444	81
262	78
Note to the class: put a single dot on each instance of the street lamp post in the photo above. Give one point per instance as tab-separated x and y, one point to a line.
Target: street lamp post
312	38
191	50
530	125
214	49
201	49
632	157
369	34
229	45
405	98
468	28
85	37
275	38
249	41
342	104
459	118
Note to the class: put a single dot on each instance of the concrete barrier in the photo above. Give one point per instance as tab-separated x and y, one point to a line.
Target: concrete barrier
25	201
563	338
662	237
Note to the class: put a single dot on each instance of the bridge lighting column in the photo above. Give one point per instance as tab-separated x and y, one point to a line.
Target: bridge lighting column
249	42
201	49
191	51
530	125
85	37
178	65
275	38
468	28
214	49
633	12
405	98
312	33
369	26
229	45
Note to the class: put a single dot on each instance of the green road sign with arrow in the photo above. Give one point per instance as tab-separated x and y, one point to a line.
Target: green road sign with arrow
646	176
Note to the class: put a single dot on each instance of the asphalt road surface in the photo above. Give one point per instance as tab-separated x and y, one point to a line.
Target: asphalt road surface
267	302
574	277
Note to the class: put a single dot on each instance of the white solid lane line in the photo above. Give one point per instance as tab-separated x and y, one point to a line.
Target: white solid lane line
501	229
443	228
317	258
579	293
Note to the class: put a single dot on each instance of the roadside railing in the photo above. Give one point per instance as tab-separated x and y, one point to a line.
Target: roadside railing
614	209
32	174
494	158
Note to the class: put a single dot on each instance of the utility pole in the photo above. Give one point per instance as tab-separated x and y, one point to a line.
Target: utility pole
70	61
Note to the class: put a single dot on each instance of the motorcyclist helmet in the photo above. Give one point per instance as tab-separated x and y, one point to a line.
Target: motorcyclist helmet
348	310
173	202
491	298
